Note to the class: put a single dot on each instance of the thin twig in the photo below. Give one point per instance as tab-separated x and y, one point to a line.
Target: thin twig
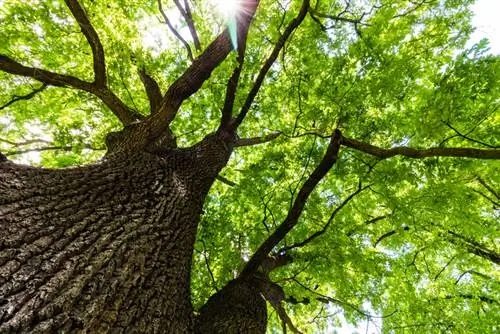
383	236
26	142
172	29
269	62
28	96
186	13
444	267
487	186
473	272
257	140
208	266
327	299
469	138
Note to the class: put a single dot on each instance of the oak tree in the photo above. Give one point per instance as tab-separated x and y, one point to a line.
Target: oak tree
287	165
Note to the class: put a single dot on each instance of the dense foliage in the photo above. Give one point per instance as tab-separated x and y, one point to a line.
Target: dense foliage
401	245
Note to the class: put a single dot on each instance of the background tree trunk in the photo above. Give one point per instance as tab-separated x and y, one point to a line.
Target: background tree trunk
238	308
105	247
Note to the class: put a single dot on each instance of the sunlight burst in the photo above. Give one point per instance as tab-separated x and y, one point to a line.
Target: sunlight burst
228	8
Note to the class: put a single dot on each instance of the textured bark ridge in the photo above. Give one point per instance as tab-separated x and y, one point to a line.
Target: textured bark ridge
105	247
238	308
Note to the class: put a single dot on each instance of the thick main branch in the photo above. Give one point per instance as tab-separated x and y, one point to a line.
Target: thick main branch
298	205
199	71
409	152
124	113
54	79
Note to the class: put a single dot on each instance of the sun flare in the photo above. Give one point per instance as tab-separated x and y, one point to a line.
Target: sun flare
227	8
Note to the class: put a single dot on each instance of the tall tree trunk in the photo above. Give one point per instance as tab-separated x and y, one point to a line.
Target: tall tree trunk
105	247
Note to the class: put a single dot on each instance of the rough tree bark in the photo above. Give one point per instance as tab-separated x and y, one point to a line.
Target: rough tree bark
106	246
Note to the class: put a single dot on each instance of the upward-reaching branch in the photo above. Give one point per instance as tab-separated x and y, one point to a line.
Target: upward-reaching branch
199	71
93	40
326	226
186	13
156	128
231	87
269	62
298	205
232	84
175	32
153	90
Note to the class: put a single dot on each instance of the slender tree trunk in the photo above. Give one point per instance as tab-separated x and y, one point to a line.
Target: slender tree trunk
105	247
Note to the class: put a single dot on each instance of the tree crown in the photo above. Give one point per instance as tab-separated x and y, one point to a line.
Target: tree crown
400	233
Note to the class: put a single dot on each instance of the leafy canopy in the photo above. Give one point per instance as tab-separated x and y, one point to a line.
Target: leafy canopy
409	245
